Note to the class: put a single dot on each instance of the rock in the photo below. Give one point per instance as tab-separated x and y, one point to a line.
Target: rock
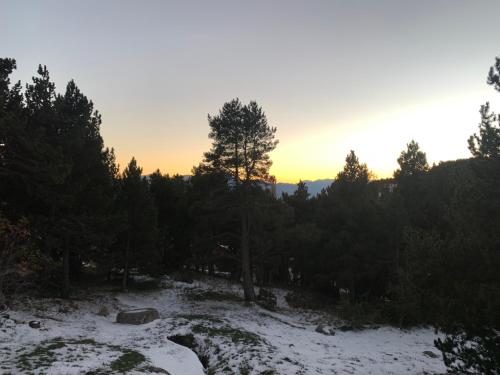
320	328
34	324
430	354
185	340
325	330
137	316
266	299
103	311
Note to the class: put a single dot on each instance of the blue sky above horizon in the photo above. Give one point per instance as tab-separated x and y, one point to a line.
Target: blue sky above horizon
331	75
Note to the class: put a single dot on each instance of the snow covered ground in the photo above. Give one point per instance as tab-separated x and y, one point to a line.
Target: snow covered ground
231	337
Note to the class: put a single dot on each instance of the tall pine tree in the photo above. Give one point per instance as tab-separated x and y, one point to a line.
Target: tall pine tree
241	142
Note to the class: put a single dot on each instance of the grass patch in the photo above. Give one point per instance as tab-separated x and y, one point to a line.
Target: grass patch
209	295
45	354
42	356
127	361
206	317
237	336
85	342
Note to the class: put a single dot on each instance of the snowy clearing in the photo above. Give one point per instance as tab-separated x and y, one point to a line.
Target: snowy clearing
230	337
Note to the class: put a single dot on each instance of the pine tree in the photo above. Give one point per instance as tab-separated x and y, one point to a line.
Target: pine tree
412	161
242	141
494	75
170	196
301	193
138	239
354	171
487	143
352	180
12	133
87	188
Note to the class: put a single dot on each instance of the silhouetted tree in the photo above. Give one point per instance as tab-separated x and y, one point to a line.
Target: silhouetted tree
411	162
487	143
171	196
269	237
353	172
242	141
139	236
87	189
494	75
302	237
214	212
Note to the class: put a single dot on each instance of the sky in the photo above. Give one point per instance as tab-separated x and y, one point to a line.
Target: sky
331	75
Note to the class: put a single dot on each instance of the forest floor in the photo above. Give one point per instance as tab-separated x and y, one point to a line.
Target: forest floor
231	337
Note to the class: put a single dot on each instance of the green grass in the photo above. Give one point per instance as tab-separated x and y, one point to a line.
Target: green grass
42	356
237	336
45	354
129	360
206	317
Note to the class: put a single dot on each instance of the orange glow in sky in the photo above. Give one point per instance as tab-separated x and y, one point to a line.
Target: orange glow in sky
331	75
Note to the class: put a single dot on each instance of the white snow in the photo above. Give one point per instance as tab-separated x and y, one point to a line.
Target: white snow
176	360
232	335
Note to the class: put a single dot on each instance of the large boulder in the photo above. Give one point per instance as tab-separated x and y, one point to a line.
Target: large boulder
137	316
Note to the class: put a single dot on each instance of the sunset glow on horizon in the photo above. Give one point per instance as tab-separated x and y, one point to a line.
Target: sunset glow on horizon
332	76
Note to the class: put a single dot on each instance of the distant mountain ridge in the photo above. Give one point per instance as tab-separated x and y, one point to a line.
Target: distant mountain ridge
314	187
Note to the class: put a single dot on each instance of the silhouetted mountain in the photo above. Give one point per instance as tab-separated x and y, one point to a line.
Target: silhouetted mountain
314	187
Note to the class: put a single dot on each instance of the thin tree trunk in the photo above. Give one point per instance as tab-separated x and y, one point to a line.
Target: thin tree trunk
245	259
3	300
66	286
125	268
352	289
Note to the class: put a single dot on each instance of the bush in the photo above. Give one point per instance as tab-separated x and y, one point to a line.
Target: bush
466	353
13	245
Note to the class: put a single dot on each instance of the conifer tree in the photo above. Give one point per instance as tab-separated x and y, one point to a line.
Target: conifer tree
412	161
138	238
170	196
354	171
487	143
494	75
242	141
352	180
86	190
